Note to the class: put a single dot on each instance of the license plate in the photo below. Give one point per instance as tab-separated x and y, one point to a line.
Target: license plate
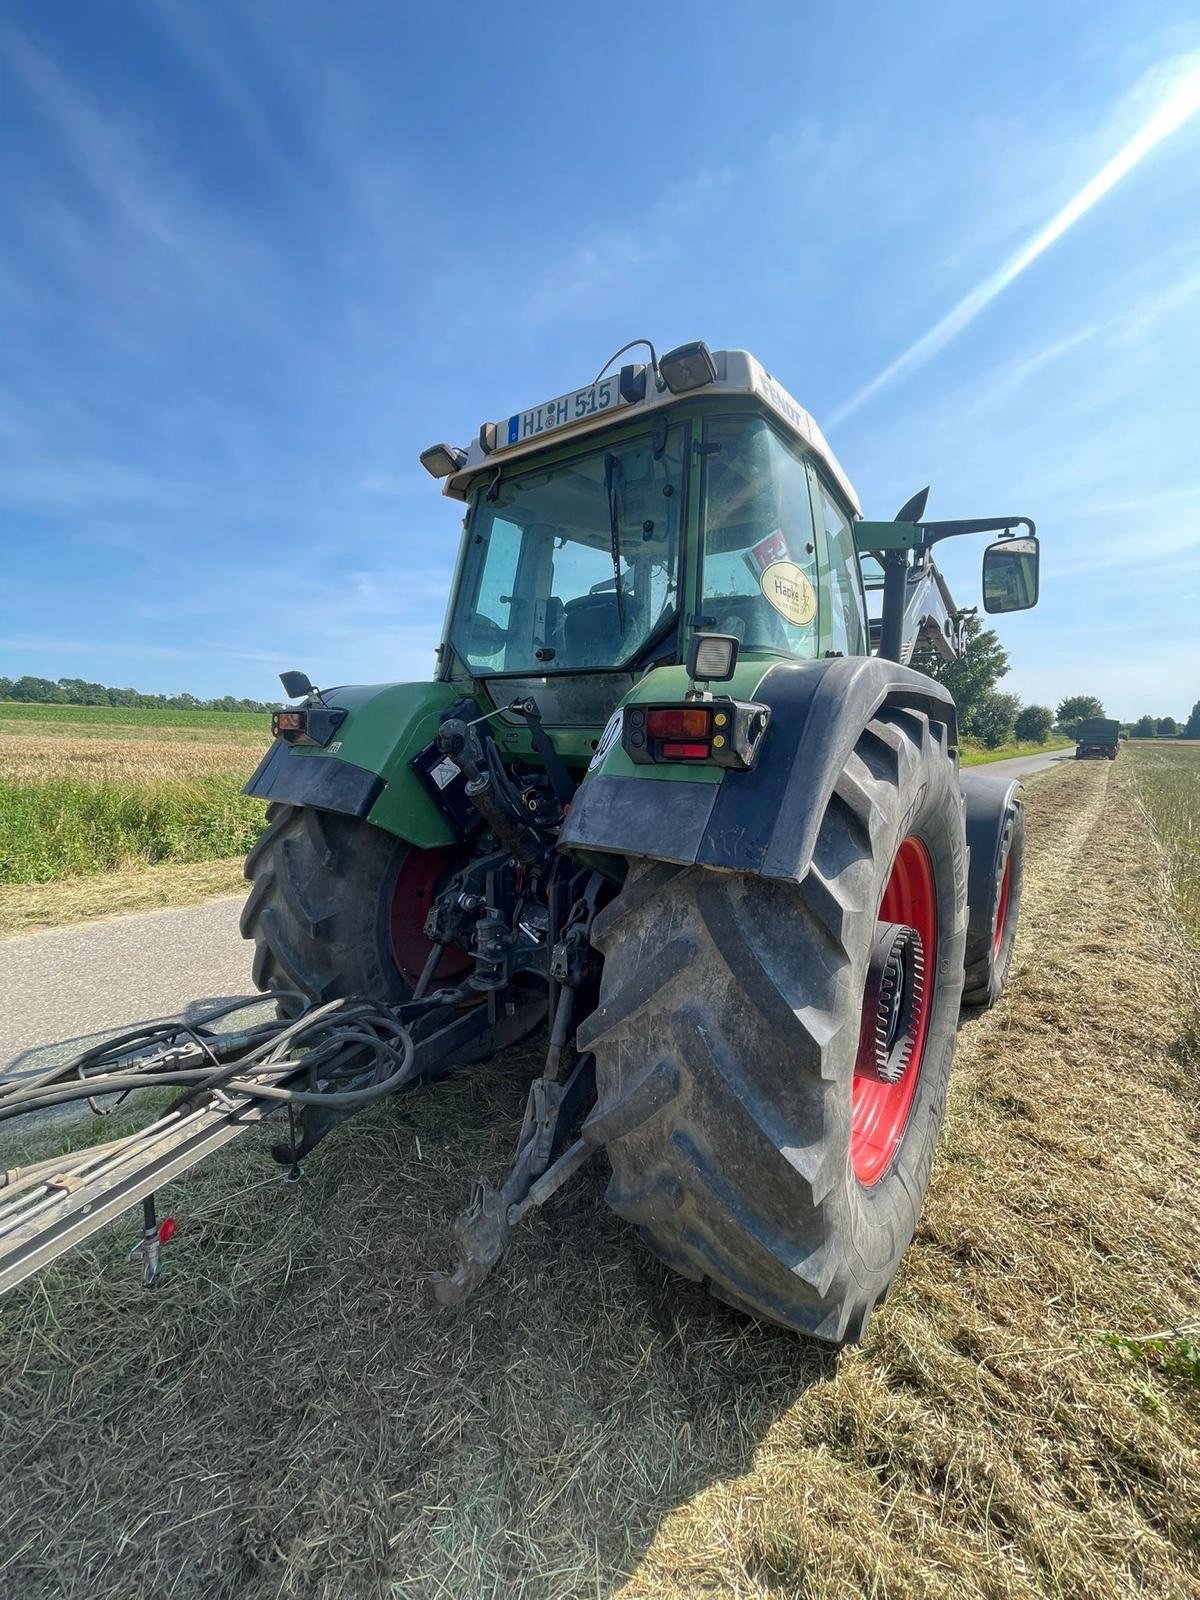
593	401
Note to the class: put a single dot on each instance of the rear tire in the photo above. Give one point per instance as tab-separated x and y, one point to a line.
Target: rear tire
989	953
336	907
727	1038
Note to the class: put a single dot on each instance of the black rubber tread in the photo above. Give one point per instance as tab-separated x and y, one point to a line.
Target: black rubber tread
725	1041
986	969
320	903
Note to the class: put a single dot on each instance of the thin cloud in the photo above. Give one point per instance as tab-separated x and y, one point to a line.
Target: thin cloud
1178	106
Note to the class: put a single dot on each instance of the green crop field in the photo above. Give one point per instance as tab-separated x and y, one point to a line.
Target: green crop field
129	722
87	791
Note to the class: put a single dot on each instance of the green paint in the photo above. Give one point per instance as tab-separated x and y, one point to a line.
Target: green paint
873	537
387	726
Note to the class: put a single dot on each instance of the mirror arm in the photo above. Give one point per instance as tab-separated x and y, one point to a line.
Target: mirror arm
933	531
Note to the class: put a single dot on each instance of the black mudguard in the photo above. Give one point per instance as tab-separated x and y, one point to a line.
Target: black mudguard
988	803
327	784
764	821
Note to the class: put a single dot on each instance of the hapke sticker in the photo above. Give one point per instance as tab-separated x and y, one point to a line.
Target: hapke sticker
786	587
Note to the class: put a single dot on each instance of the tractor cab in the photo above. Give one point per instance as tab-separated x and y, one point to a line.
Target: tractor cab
687	495
607	527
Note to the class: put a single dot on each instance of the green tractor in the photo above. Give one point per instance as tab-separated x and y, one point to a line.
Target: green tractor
674	795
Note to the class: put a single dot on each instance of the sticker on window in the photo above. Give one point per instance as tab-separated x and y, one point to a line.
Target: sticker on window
608	738
769	550
786	587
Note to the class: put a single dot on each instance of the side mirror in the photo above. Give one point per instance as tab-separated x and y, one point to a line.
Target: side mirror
1010	575
295	684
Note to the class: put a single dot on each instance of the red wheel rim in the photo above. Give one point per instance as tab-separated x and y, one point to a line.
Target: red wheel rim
879	1112
417	882
1002	906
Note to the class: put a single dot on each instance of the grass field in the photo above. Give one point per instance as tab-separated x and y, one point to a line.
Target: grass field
17	717
287	1416
974	755
1168	780
88	791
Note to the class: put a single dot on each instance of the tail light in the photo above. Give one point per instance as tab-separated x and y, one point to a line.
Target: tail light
307	724
679	722
721	732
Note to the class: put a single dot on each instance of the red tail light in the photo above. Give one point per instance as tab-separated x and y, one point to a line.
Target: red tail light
685	752
679	722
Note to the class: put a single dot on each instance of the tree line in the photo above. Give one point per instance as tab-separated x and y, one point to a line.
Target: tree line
78	692
993	718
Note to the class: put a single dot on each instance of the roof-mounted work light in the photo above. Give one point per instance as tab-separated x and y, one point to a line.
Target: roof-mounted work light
689	366
440	460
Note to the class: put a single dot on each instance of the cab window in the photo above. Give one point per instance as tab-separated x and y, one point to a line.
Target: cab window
759	576
575	565
839	574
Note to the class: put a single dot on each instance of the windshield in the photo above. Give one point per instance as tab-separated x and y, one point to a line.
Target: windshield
540	590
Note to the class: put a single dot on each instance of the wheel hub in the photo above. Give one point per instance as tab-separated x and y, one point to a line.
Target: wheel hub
893	1002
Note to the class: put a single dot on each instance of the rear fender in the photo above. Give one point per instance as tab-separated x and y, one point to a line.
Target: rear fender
764	821
366	771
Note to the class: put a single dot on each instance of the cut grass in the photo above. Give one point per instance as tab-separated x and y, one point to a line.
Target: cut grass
31	907
287	1415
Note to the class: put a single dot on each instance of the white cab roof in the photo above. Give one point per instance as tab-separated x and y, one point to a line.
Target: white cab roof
738	373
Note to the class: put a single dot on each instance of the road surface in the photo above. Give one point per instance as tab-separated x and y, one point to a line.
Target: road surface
1022	766
64	987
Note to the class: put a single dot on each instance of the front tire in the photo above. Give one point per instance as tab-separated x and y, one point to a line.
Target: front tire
746	1143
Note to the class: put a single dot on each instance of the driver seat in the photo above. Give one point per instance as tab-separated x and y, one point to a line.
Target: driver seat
590	632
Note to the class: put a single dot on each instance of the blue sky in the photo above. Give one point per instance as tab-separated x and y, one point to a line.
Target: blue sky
254	257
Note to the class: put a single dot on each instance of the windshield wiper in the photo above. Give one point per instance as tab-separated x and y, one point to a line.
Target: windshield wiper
611	464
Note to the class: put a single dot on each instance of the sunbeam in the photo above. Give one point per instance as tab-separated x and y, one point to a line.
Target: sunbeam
1179	105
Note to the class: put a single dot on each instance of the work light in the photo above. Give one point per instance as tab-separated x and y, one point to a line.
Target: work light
440	460
712	657
689	366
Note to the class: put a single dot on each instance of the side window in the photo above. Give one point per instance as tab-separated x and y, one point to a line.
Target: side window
760	574
839	576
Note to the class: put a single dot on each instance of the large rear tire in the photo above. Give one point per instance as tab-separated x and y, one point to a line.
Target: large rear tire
336	907
990	949
747	1142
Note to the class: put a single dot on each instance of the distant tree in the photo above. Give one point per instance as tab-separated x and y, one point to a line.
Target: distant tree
1145	727
1191	728
1034	723
1076	708
79	692
1167	727
993	718
977	671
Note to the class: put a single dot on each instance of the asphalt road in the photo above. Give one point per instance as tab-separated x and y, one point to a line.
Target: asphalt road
1022	766
63	987
60	989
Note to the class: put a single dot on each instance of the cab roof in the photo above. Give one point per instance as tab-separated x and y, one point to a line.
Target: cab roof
738	373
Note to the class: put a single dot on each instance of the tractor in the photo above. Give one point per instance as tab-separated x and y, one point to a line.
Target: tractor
675	796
